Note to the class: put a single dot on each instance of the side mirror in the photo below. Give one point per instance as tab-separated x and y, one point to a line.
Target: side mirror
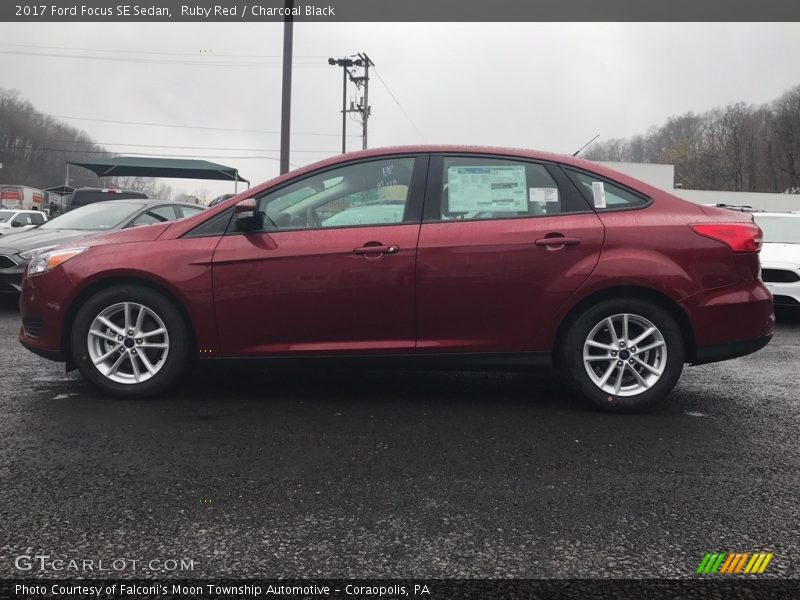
16	224
247	216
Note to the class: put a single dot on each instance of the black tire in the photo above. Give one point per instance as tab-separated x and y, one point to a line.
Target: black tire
571	348
177	357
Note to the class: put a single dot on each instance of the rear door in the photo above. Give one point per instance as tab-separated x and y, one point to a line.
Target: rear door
332	271
503	243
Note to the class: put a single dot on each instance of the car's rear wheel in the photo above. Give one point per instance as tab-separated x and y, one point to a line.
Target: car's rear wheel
624	355
130	341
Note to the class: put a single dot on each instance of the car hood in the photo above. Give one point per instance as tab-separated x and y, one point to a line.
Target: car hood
39	238
783	253
145	233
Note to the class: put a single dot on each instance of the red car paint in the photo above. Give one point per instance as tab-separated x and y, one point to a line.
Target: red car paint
454	286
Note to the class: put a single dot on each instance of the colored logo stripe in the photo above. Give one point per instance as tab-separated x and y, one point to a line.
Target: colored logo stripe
734	563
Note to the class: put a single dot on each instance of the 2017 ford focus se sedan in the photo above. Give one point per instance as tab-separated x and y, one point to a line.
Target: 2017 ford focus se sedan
455	257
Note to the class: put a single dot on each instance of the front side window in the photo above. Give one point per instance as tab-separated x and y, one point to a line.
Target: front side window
604	195
22	220
367	193
489	188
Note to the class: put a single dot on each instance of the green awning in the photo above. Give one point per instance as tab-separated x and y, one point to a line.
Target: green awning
122	166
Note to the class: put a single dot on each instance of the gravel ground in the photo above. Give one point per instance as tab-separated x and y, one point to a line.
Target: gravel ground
255	472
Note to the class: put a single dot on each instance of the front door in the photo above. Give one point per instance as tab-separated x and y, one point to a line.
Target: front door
332	271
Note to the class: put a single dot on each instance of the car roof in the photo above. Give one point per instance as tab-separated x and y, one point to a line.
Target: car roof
507	152
23	210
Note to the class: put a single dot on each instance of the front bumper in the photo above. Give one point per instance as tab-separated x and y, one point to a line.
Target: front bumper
43	305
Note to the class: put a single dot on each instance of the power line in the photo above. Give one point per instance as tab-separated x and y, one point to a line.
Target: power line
138	123
175	147
410	120
147	153
158	61
161	53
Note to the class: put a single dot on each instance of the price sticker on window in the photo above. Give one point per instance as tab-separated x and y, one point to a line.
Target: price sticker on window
543	195
599	194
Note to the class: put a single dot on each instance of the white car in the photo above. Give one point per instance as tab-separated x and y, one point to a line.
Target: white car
780	256
13	220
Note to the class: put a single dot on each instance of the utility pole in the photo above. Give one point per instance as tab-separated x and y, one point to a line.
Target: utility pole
346	64
286	93
365	107
362	107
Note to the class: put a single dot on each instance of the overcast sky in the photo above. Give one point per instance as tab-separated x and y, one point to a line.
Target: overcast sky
545	86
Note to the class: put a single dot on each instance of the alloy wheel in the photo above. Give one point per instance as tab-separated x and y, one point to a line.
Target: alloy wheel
625	354
128	343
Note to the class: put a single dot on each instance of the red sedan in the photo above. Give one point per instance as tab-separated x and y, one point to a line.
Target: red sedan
432	257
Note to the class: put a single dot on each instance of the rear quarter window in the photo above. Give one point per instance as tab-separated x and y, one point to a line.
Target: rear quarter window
616	197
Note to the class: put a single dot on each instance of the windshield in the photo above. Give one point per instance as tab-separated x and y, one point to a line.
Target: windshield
5	215
779	230
96	217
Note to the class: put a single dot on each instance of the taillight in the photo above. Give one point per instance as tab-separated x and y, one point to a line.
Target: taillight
739	237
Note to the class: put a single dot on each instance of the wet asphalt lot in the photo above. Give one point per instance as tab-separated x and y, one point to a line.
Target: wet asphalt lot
262	473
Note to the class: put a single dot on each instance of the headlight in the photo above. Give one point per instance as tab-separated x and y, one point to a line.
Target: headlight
44	261
29	254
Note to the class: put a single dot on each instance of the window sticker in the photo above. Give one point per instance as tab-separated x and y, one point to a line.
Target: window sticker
543	195
599	194
495	189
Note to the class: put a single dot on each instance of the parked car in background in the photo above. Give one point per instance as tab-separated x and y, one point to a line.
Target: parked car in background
780	256
83	196
17	250
14	221
479	258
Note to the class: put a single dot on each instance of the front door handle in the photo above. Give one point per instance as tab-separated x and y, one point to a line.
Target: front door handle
365	250
559	240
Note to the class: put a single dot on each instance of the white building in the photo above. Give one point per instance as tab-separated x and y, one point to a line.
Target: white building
663	177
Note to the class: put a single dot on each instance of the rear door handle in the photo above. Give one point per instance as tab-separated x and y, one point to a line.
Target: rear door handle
376	250
558	241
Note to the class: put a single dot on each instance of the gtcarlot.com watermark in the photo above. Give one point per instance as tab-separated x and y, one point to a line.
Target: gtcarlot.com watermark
47	563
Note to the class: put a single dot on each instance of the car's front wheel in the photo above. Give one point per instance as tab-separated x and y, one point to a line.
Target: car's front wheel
625	355
130	341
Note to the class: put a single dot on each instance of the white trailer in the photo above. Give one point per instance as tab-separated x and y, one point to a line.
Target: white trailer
21	197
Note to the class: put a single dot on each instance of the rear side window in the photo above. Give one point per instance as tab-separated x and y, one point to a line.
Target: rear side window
603	195
37	219
474	187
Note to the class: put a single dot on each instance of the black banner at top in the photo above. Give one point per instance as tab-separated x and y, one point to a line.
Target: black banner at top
338	11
